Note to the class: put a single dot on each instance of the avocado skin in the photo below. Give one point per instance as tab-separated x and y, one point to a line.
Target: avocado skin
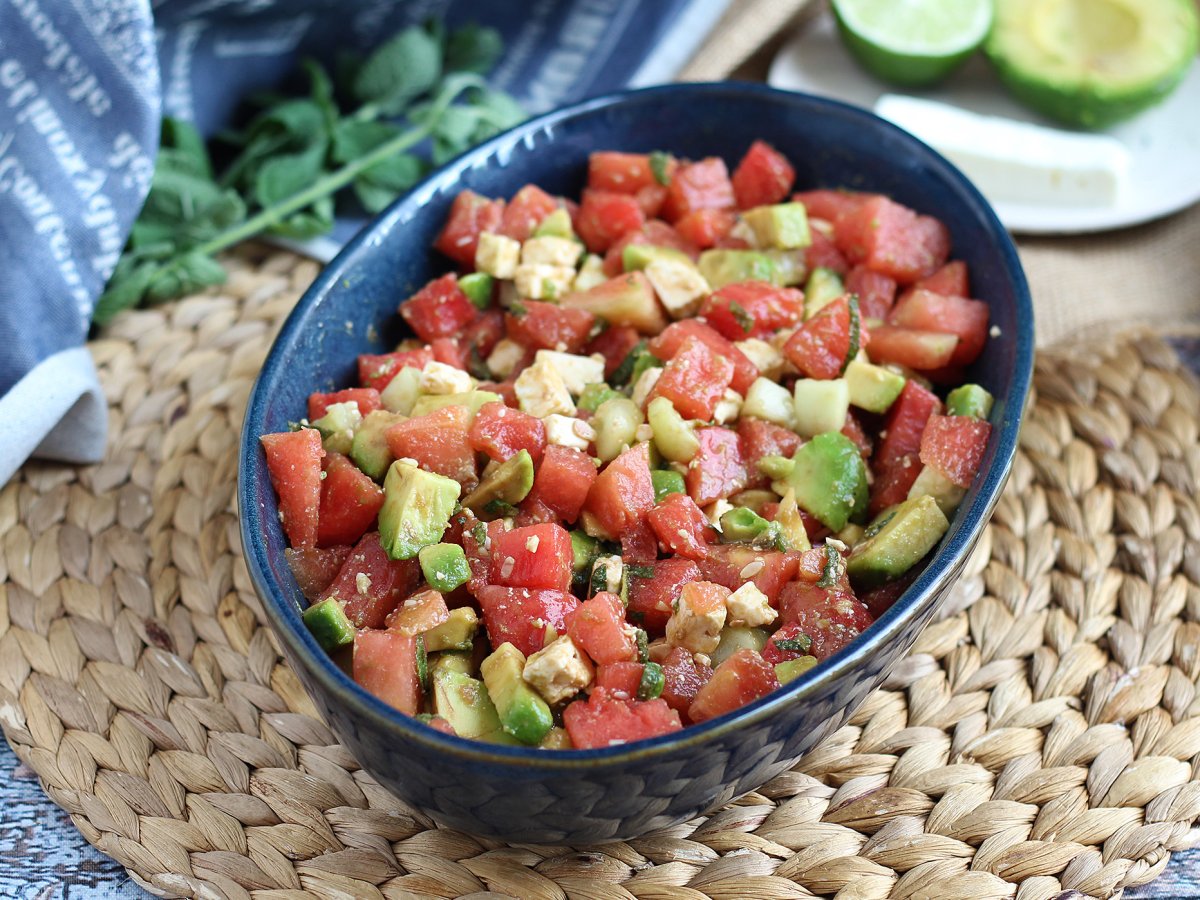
1087	101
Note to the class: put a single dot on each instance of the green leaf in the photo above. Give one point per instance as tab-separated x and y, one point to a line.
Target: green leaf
312	222
353	138
473	48
399	172
186	146
373	197
398	70
282	176
126	289
198	270
498	112
321	86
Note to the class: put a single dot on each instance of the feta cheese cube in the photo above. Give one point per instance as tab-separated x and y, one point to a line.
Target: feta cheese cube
497	255
504	357
538	281
566	431
577	372
749	606
679	286
715	510
727	407
696	622
541	391
610	568
767	359
558	671
439	378
770	401
551	251
645	384
741	229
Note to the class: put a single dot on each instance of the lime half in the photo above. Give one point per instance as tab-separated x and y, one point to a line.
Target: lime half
913	42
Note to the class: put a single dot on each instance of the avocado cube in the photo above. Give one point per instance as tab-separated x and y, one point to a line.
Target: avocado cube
337	426
370	450
969	400
872	387
742	525
444	566
454	660
478	288
523	714
823	287
830	479
463	701
639	256
584	550
456	633
417	506
666	482
783	225
723	266
791	669
329	625
930	482
896	541
557	224
505	486
472	400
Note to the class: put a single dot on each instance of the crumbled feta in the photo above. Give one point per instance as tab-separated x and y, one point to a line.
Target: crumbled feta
558	671
749	606
551	251
612	567
439	378
538	281
715	510
541	391
362	581
727	407
766	358
741	229
645	384
696	622
497	255
679	286
577	371
567	431
504	357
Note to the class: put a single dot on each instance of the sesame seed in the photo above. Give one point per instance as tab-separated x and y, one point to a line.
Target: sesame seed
752	568
506	567
583	430
836	544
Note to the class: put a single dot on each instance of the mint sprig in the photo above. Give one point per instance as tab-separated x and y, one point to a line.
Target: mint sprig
300	155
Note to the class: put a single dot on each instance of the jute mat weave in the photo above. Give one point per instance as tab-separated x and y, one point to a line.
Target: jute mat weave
1042	737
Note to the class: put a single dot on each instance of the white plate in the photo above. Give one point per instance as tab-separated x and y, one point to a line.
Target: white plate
1163	142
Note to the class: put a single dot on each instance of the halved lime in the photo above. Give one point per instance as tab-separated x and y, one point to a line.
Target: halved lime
913	42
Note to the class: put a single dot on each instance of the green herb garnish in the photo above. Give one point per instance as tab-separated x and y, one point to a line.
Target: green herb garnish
799	644
300	154
743	318
659	167
832	573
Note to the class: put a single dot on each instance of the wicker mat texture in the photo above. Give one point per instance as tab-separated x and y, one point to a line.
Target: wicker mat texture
1042	737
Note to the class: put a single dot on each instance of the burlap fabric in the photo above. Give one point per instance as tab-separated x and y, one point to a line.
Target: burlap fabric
1042	736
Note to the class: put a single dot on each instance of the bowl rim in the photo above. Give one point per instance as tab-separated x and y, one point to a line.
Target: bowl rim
966	526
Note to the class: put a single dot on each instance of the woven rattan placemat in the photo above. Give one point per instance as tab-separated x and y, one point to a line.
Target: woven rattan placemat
1042	736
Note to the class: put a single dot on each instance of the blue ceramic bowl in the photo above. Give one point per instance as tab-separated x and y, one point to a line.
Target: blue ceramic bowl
579	796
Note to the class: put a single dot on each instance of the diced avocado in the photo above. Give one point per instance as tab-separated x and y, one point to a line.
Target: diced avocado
556	739
478	288
337	426
791	267
736	638
557	224
666	482
872	387
674	437
329	625
820	405
370	447
444	566
463	701
653	681
776	467
792	532
508	483
638	256
402	391
723	266
523	713
783	225
896	541
472	400
742	525
591	273
417	506
456	633
823	287
930	482
830	479
791	669
850	535
594	394
452	661
969	400
584	550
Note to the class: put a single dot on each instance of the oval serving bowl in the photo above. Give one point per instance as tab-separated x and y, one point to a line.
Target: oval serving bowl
578	796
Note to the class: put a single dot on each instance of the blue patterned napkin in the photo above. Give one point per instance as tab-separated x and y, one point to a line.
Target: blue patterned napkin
83	86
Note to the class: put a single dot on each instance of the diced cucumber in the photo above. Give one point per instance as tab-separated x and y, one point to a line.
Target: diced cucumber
770	401
820	405
595	394
735	638
652	683
616	423
674	437
823	287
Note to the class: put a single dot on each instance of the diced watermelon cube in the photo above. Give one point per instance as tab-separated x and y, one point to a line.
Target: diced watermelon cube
599	627
470	216
502	432
683	677
681	527
699	185
666	344
536	556
440	309
366	399
294	464
742	678
606	721
764	176
694	380
652	598
623	492
376	370
752	309
438	441
717	470
563	481
385	664
548	326
521	616
954	445
525	212
350	502
371	584
927	311
604	216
